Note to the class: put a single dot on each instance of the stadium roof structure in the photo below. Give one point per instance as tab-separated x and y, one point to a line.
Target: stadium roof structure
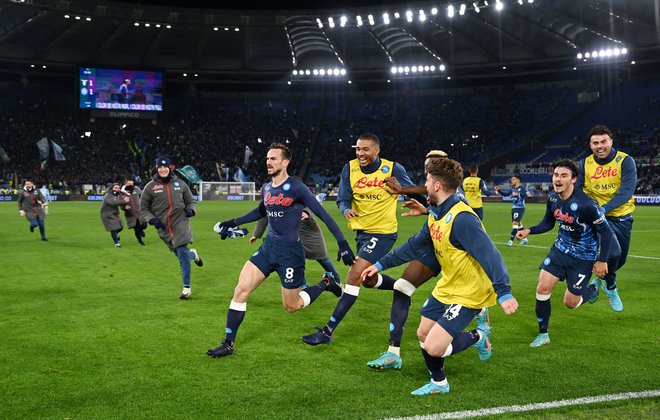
445	38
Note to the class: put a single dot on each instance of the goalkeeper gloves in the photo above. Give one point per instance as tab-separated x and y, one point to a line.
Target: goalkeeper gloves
222	228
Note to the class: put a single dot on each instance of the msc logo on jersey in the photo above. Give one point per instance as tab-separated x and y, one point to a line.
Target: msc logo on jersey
286	187
385	169
574	206
448	218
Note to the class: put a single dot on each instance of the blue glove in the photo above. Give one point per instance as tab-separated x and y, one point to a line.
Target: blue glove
222	228
190	212
345	253
157	223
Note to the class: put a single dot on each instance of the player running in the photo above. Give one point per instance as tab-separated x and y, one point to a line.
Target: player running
518	194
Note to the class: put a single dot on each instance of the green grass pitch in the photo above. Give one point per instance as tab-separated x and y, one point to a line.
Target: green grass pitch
90	331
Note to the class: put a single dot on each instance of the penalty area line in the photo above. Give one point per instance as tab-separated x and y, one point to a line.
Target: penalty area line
532	407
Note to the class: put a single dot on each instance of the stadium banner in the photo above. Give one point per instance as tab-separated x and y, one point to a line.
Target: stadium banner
44	149
522	169
57	151
189	173
130	115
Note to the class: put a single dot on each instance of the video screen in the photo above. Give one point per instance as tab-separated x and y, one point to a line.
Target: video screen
112	89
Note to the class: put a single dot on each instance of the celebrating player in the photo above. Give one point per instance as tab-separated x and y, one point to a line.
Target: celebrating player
370	208
518	193
473	187
31	204
167	204
473	275
574	254
283	199
610	177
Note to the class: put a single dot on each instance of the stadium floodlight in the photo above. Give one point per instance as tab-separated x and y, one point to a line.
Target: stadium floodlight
259	140
499	5
594	54
88	19
427	68
608	52
624	51
236	29
322	72
476	7
343	72
574	68
147	25
359	20
434	11
77	17
449	78
342	21
136	24
288	82
371	19
158	25
169	26
422	16
329	72
396	15
350	82
442	67
215	28
633	62
67	16
307	72
295	72
520	2
587	55
530	1
616	51
461	10
450	11
336	72
406	69
393	70
331	22
413	69
432	68
185	74
386	18
601	53
319	23
579	56
315	72
400	69
409	16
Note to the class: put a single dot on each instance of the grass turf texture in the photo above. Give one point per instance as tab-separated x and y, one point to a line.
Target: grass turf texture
90	331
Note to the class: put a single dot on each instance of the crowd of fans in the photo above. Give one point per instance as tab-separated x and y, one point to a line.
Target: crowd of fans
211	135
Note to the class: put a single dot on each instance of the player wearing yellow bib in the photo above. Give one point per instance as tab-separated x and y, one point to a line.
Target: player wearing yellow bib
370	208
473	187
473	275
610	177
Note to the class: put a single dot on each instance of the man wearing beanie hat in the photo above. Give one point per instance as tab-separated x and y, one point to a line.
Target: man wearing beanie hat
110	212
30	205
167	204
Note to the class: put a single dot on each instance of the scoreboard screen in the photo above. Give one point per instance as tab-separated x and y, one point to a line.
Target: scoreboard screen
114	89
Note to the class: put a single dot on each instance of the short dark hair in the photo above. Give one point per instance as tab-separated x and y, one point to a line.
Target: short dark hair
598	130
516	176
286	153
448	171
474	168
369	136
566	163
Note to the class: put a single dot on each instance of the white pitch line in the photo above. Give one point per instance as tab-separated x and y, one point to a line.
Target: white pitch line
644	257
531	407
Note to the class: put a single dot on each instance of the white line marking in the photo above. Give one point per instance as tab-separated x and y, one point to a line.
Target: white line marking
644	257
531	407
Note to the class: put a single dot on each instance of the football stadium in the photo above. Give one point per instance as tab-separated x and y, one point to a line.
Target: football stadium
478	183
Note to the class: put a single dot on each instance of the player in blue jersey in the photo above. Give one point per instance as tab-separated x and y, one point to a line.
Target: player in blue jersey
370	209
282	201
518	194
473	275
575	253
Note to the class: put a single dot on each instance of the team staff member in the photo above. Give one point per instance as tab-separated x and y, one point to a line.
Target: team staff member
31	206
132	209
370	208
473	275
167	204
575	253
609	176
112	201
473	187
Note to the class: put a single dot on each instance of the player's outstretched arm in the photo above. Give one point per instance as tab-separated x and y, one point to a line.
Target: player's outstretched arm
415	208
